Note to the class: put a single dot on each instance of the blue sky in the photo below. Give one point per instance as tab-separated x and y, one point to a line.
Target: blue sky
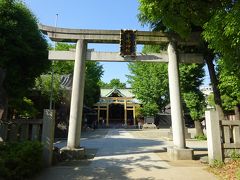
93	14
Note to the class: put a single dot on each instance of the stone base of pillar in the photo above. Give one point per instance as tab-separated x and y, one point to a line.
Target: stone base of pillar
179	153
72	154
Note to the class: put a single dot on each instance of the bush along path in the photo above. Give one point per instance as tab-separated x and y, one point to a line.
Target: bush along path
20	160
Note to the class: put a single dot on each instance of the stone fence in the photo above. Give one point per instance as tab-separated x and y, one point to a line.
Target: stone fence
32	129
223	136
21	129
230	136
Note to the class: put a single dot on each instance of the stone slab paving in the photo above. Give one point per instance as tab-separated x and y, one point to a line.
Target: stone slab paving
124	154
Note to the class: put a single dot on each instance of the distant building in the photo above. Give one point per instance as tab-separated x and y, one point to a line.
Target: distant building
207	90
116	106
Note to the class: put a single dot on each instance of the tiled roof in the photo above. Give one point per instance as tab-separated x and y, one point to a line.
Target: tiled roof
121	92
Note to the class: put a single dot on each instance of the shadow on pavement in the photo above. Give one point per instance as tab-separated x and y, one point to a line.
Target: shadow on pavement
99	169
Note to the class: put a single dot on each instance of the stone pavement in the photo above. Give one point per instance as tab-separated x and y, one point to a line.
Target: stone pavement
124	154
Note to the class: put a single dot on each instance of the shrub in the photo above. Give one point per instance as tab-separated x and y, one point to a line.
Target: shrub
217	164
201	137
20	160
238	173
235	155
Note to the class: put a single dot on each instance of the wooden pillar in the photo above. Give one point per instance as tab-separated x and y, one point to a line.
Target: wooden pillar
107	115
125	111
134	115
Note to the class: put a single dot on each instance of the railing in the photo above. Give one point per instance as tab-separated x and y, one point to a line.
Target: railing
21	129
223	136
32	129
230	136
230	117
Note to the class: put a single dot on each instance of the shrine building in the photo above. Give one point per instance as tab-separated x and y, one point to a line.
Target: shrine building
117	107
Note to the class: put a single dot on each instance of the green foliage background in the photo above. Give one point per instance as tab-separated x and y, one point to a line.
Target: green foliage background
23	52
149	83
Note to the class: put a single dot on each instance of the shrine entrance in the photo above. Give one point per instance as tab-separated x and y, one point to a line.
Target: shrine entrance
128	40
116	114
119	106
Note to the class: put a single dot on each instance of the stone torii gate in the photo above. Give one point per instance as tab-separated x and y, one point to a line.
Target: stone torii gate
172	57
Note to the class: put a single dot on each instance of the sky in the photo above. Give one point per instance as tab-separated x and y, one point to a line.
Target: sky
92	14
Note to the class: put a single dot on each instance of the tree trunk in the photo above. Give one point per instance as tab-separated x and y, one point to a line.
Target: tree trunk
237	112
214	81
198	127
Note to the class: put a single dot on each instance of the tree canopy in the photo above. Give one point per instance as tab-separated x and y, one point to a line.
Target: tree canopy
216	20
114	83
229	84
23	54
191	78
94	71
222	32
149	82
180	16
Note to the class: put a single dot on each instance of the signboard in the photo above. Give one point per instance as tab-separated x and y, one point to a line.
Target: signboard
149	120
128	43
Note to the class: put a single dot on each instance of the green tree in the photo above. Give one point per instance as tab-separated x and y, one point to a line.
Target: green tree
195	102
149	82
222	33
94	71
191	78
229	86
180	16
184	17
114	83
43	84
63	67
102	84
23	55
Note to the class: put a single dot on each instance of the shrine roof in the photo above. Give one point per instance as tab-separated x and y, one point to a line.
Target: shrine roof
121	92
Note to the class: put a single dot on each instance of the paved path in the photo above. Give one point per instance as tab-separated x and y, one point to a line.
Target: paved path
122	155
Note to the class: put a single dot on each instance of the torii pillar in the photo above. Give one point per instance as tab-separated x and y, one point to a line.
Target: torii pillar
179	150
75	122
